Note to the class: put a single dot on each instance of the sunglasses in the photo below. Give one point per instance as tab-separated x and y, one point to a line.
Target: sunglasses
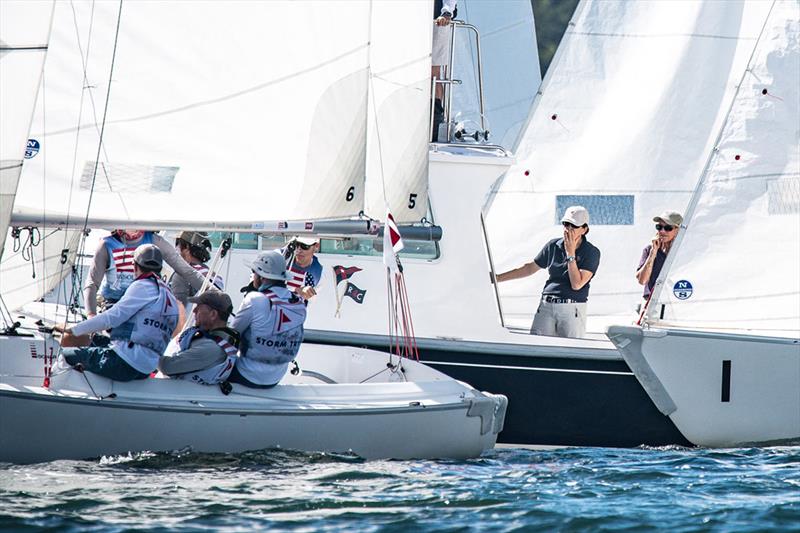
665	227
570	225
303	246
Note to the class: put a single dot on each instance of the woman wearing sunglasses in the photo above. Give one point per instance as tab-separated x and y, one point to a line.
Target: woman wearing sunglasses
571	261
655	253
304	269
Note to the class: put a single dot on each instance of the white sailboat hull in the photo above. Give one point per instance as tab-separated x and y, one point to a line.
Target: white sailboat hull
84	416
720	389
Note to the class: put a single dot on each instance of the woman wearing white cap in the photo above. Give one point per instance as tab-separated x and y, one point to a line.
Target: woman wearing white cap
571	262
304	270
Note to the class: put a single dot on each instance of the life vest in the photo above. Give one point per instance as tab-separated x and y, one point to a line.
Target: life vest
216	279
219	372
275	341
153	324
119	274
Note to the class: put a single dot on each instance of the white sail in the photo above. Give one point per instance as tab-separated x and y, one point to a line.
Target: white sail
627	114
209	105
400	88
29	273
24	32
735	267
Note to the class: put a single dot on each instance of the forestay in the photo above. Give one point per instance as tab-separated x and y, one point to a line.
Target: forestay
736	265
627	114
247	111
24	33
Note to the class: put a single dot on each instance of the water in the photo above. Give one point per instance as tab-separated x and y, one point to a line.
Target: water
570	489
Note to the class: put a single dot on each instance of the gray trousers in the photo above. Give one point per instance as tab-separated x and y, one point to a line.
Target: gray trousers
560	320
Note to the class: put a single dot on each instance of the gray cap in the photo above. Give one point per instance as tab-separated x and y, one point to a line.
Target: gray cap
269	265
576	215
216	300
673	218
148	256
195	238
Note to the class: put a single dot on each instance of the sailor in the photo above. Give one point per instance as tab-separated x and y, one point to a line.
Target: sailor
112	267
206	352
141	323
571	261
194	247
304	269
654	254
443	12
270	322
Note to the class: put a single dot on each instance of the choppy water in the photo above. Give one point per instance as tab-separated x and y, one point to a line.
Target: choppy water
571	489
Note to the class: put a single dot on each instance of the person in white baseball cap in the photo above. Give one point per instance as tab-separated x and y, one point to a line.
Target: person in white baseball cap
571	262
304	269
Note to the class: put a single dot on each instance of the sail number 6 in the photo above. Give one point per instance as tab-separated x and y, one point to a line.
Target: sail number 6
351	193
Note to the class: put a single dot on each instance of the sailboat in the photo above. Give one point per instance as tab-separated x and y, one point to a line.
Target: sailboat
719	348
143	121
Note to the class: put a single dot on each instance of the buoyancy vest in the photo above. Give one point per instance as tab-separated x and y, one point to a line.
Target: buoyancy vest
119	274
153	324
226	339
216	279
275	341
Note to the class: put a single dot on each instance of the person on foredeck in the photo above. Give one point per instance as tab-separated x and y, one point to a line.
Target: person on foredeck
270	321
654	254
571	262
304	269
112	269
443	13
207	351
141	323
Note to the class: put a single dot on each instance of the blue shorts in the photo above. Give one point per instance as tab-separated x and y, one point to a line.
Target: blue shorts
103	362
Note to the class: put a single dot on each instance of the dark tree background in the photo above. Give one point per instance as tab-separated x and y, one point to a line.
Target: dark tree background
551	18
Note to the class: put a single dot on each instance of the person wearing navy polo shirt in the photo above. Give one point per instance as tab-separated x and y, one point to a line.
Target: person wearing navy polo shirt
571	262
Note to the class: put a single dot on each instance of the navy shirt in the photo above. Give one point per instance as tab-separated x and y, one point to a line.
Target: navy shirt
554	259
658	262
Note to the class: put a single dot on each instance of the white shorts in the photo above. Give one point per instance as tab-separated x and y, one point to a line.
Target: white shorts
560	320
440	52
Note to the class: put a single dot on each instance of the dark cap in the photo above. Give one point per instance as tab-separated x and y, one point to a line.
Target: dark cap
148	256
215	300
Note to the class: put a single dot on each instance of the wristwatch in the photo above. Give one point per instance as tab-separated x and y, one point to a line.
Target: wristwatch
570	258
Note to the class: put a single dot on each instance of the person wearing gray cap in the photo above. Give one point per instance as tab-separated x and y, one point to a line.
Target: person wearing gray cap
141	324
194	247
571	262
270	321
207	351
654	254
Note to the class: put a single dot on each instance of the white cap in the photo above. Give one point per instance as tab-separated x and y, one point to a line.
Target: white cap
308	240
576	215
269	265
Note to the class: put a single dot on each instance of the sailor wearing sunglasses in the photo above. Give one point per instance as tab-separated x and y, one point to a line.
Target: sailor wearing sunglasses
655	253
304	269
571	262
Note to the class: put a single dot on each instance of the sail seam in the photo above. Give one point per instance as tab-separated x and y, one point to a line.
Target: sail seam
665	35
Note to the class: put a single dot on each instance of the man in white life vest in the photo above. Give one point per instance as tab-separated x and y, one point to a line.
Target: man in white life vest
270	321
141	323
207	351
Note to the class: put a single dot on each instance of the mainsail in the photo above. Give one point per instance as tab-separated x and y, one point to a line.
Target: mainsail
24	33
240	111
627	114
735	266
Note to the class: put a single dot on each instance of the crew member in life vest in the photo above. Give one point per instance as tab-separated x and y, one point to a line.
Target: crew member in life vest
206	352
270	322
304	269
141	323
112	267
194	247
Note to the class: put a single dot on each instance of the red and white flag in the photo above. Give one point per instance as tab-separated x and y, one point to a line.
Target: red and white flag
392	242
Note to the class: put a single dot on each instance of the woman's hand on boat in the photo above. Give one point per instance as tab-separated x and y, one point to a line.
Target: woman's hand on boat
62	328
